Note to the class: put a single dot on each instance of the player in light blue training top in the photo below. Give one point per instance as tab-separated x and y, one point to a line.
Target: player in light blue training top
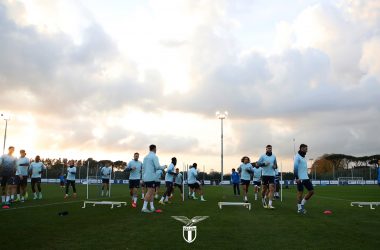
7	169
193	182
70	179
268	163
302	178
36	168
106	172
257	173
22	176
169	179
150	165
134	167
178	180
245	171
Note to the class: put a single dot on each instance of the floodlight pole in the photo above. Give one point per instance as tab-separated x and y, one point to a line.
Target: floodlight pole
221	116
5	131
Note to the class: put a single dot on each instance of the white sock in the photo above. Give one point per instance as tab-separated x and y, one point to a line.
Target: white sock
3	199
255	195
193	194
142	195
270	202
135	199
299	206
202	197
151	205
35	194
162	198
12	196
102	192
7	198
167	198
245	198
303	202
145	205
18	196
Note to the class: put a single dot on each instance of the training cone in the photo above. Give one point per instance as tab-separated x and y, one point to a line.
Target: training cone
158	211
327	212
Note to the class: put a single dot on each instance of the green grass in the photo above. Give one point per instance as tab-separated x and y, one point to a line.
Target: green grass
36	224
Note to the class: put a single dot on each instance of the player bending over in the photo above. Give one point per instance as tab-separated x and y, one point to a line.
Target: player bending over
106	172
169	178
70	179
23	164
257	172
302	178
150	165
36	168
134	167
268	163
245	170
193	183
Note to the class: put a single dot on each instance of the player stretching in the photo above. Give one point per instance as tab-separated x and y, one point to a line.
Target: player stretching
150	165
36	168
134	167
22	176
178	180
169	178
302	178
7	167
257	172
268	163
193	183
245	170
106	172
70	179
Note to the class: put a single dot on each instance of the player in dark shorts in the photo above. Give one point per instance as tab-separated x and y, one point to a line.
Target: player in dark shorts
8	169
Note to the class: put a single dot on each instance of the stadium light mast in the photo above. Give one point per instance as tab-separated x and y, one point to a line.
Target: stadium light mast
221	116
6	118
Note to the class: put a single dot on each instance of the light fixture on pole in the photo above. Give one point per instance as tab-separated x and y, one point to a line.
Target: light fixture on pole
221	116
6	118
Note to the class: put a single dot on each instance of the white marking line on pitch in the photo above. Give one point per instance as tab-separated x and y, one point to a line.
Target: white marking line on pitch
50	204
331	198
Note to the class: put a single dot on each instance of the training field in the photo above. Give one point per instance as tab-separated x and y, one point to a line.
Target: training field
36	224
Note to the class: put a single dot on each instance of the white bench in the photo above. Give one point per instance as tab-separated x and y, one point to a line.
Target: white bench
361	204
112	203
247	205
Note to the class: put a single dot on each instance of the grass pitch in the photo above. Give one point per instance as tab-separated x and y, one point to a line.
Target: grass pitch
36	224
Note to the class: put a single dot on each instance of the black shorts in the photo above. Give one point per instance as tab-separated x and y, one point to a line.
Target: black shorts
36	180
24	181
268	180
134	183
257	183
194	185
150	184
13	181
157	184
4	180
169	184
307	183
107	181
245	182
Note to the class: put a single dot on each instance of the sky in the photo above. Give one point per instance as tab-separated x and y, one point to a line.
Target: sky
105	79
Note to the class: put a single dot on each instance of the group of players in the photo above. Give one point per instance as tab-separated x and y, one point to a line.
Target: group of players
14	174
265	173
16	171
148	174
